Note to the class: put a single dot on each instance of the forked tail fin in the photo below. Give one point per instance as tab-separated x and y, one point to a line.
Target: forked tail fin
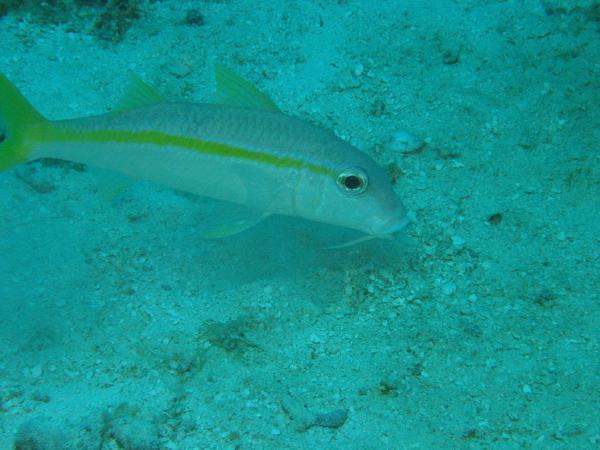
17	117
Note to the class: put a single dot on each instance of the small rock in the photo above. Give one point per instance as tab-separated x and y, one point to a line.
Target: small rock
180	70
194	17
40	397
331	419
358	69
448	288
305	420
405	142
458	242
450	56
494	219
36	371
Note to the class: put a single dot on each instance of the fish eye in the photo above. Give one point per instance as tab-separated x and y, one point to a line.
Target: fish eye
353	180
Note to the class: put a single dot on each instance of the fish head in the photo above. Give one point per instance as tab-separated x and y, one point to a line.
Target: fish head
365	200
358	194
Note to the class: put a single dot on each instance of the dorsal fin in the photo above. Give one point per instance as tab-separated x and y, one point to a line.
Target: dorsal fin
233	90
137	94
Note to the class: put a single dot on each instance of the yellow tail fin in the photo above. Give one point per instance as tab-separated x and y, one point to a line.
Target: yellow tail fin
17	116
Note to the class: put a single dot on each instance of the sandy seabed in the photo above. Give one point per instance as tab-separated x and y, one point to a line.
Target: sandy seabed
121	328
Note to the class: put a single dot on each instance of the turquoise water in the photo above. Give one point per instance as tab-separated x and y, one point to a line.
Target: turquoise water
122	328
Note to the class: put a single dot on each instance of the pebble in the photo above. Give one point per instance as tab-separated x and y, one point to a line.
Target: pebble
313	338
180	70
36	371
458	241
448	288
358	69
451	56
331	419
194	17
405	142
40	397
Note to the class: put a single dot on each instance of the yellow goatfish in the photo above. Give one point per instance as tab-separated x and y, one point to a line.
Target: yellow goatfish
239	148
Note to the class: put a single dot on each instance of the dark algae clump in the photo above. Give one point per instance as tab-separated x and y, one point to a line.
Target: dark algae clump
116	19
108	20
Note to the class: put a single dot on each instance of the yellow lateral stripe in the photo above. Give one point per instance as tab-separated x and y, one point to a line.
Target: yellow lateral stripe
164	139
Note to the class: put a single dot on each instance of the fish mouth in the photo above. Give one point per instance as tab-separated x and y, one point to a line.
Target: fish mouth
387	229
399	225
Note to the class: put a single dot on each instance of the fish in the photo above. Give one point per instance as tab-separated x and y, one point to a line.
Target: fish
238	148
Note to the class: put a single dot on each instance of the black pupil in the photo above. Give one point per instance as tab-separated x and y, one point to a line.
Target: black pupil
352	182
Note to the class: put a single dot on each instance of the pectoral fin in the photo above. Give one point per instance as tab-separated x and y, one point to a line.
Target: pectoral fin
228	219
